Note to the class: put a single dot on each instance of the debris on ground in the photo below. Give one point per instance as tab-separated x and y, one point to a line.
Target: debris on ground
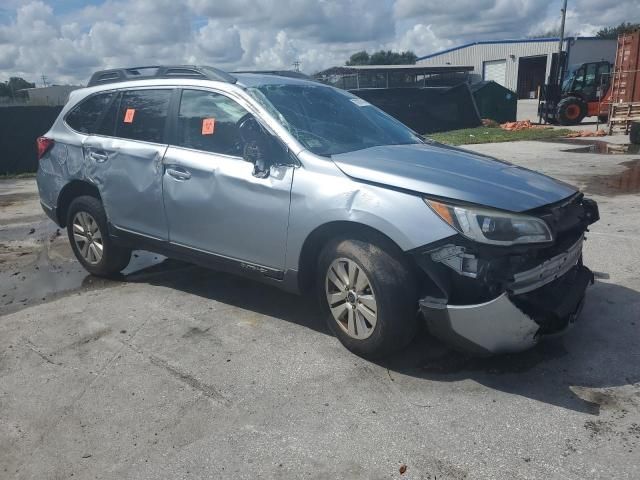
521	125
487	122
587	133
403	468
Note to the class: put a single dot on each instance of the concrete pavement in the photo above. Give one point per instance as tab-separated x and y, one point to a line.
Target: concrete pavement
179	372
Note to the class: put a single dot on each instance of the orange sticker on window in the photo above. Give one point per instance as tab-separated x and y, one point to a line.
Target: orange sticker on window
128	115
208	126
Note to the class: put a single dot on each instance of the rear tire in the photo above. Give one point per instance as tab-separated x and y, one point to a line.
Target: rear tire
89	237
369	296
571	111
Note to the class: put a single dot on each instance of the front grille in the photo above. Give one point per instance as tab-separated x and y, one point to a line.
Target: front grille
547	271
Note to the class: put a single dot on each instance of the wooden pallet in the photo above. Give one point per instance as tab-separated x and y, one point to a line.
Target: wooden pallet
621	116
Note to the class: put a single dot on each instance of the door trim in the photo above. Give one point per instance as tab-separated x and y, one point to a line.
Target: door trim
134	240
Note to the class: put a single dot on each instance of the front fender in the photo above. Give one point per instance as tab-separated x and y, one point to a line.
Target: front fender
322	194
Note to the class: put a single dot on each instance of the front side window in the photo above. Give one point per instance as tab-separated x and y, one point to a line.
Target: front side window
85	116
143	115
209	121
328	121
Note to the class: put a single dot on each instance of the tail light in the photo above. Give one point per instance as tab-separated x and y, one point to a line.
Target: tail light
44	145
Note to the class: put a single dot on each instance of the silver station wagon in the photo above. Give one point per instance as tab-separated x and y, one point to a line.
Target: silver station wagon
314	190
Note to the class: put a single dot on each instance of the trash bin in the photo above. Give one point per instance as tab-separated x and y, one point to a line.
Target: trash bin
495	102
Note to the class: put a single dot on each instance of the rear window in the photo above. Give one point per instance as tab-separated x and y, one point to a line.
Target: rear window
86	116
143	115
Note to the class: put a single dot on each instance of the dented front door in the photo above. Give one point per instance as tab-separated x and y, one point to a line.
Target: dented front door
213	201
215	204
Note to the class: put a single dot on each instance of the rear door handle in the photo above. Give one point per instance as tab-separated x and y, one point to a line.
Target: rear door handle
98	156
178	173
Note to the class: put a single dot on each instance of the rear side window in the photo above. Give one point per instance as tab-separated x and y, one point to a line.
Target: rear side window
208	121
86	115
143	115
107	125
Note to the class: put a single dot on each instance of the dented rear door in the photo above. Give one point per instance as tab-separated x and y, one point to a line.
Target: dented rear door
127	167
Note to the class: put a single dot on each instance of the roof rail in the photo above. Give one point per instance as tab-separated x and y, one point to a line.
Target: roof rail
280	73
115	75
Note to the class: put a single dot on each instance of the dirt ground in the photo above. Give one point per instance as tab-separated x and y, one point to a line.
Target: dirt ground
173	371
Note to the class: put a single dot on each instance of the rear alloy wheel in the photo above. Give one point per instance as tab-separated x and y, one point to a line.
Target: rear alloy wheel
90	240
87	237
369	294
571	111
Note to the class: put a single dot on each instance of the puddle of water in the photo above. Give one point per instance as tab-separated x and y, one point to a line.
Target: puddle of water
44	280
13	198
599	147
624	182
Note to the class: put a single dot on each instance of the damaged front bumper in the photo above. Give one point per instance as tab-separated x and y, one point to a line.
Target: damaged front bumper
488	300
510	323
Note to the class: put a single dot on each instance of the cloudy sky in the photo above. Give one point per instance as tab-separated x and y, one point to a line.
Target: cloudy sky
68	39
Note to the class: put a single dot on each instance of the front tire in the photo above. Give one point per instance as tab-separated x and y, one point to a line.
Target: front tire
369	296
90	240
571	111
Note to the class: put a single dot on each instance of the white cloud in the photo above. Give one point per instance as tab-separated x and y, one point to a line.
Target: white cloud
48	37
218	44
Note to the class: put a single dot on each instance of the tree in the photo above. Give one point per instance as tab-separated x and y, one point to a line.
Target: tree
12	87
383	57
553	33
613	32
358	58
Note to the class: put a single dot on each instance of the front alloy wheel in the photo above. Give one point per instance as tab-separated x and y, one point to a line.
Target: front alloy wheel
368	294
351	298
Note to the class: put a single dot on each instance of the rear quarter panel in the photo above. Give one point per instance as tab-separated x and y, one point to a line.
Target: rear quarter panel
65	161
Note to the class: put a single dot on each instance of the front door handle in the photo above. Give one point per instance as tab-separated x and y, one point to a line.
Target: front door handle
178	173
98	156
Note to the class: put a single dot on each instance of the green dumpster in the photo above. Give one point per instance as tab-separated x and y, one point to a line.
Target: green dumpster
495	102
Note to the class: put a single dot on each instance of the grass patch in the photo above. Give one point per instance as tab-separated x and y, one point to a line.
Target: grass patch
10	176
495	134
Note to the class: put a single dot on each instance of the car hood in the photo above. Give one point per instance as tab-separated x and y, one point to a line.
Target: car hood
448	172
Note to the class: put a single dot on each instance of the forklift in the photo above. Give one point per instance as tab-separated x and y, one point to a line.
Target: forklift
575	92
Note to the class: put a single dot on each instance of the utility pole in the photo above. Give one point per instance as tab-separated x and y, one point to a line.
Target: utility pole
561	42
44	80
296	66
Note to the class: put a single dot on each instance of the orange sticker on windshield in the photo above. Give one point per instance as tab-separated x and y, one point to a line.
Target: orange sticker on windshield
208	126
128	115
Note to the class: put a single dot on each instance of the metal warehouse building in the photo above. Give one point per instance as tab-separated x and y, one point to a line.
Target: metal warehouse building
521	65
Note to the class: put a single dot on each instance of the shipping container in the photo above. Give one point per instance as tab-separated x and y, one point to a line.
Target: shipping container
625	84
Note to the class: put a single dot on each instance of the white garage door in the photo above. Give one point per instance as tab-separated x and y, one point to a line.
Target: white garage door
495	70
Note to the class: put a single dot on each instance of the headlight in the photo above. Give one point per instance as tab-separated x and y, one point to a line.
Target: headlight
492	226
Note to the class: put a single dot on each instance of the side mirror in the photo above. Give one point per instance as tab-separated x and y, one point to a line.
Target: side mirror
256	145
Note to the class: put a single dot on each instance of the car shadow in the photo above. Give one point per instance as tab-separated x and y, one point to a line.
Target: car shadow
601	351
233	290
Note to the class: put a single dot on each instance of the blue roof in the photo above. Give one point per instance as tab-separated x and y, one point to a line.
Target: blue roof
491	42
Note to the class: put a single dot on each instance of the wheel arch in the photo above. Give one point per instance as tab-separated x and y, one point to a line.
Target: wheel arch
324	233
72	190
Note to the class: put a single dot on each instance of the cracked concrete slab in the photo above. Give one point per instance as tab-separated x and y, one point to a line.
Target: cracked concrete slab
173	371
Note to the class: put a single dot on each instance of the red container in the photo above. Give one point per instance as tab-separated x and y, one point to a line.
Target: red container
626	72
